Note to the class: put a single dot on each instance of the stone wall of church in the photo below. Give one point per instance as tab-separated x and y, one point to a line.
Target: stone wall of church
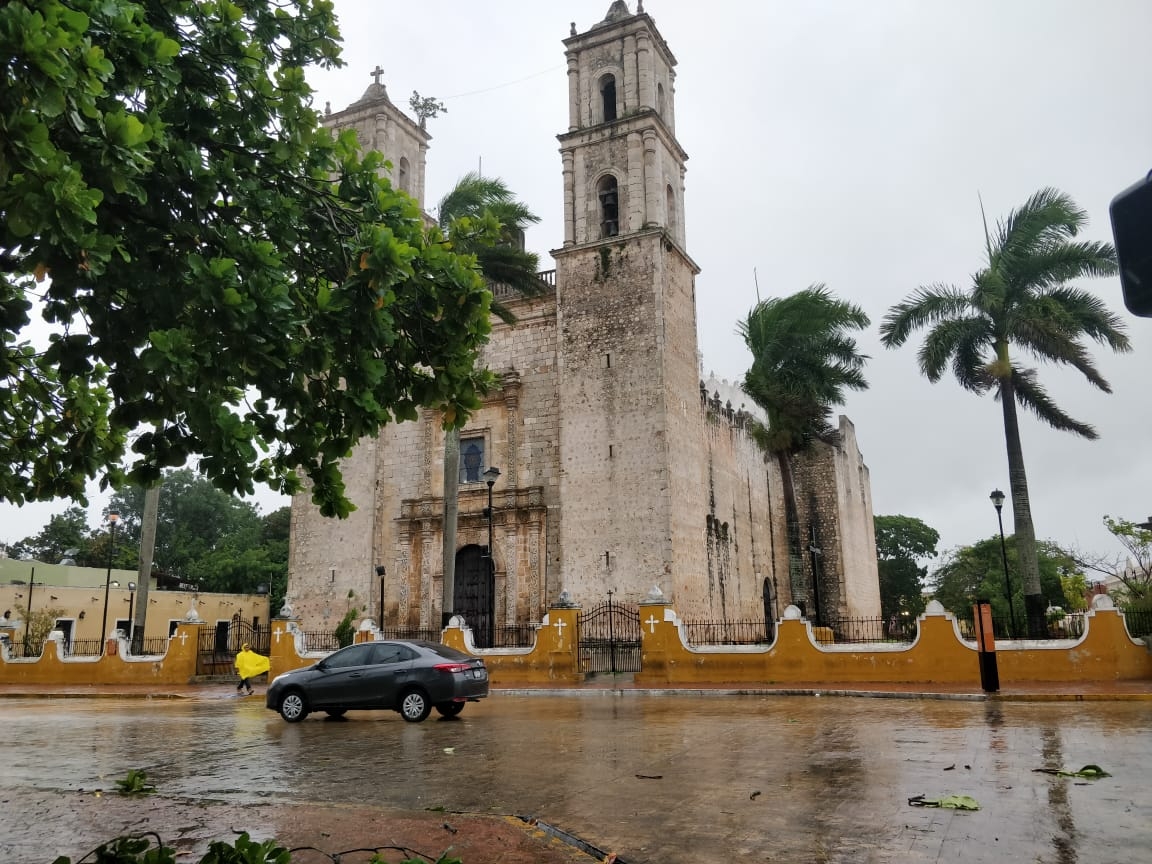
857	527
330	558
834	496
615	531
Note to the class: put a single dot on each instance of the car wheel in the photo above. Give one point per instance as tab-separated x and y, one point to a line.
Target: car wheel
450	709
414	706
292	706
336	713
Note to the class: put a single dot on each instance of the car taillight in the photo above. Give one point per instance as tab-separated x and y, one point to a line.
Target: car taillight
452	667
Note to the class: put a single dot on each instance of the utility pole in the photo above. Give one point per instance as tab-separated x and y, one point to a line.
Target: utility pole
451	508
147	549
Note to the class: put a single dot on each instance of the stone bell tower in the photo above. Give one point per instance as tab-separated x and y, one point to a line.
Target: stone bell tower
626	320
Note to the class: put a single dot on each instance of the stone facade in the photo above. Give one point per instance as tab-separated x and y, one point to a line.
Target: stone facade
622	470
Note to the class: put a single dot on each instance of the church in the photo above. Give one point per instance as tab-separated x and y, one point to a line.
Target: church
611	466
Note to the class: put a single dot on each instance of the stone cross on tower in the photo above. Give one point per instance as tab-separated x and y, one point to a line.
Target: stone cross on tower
376	73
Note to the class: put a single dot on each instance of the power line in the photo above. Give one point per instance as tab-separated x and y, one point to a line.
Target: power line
506	84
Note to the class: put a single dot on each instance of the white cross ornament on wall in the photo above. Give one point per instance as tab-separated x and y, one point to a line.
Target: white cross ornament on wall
560	625
652	622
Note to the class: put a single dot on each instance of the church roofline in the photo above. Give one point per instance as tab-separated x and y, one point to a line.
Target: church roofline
610	31
376	106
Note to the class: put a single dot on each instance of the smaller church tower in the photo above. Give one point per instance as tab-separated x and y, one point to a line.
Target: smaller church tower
626	320
383	127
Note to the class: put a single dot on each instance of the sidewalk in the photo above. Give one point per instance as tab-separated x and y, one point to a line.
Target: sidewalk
1040	691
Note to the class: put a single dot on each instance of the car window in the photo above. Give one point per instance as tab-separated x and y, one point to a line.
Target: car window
390	653
446	652
356	655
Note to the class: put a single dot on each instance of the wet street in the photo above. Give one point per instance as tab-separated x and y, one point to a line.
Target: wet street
655	778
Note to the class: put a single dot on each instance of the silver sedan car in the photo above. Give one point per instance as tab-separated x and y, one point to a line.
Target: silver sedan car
411	677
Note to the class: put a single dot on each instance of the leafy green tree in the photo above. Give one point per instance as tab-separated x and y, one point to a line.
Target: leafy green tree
803	360
975	572
65	533
223	278
901	543
1020	303
37	626
202	534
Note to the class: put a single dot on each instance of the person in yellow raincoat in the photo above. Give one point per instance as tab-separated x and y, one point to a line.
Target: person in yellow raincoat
249	664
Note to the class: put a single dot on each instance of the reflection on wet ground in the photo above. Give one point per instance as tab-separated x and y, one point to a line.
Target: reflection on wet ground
658	778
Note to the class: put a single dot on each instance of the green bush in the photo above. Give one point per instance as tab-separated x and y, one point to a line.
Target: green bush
345	632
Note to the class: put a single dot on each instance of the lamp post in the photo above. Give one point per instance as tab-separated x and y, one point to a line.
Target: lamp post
490	475
131	620
380	573
113	518
997	498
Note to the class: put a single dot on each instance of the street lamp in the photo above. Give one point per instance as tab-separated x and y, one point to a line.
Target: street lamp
380	573
997	498
113	518
490	475
131	621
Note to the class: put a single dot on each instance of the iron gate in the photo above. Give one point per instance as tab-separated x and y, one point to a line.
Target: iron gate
610	638
219	645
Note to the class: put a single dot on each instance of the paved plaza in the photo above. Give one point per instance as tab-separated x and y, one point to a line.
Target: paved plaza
655	778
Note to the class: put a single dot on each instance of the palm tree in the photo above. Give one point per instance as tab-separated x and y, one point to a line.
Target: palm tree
803	359
476	210
1019	300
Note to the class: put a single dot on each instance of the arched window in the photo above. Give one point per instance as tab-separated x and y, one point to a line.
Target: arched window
671	214
402	177
608	97
609	195
660	98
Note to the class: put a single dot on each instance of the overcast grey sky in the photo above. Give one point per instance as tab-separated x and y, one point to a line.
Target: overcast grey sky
838	142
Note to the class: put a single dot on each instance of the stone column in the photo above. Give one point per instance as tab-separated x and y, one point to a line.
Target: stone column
644	70
651	179
573	93
418	194
580	193
635	199
380	134
569	200
630	87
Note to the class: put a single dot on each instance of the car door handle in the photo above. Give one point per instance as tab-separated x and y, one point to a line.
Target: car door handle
356	675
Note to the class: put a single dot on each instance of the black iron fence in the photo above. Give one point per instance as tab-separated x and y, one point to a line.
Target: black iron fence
861	631
21	649
516	636
753	632
423	634
1138	622
84	648
321	640
1071	626
153	646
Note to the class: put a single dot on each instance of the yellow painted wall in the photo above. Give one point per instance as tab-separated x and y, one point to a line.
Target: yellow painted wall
938	656
551	660
178	666
85	607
